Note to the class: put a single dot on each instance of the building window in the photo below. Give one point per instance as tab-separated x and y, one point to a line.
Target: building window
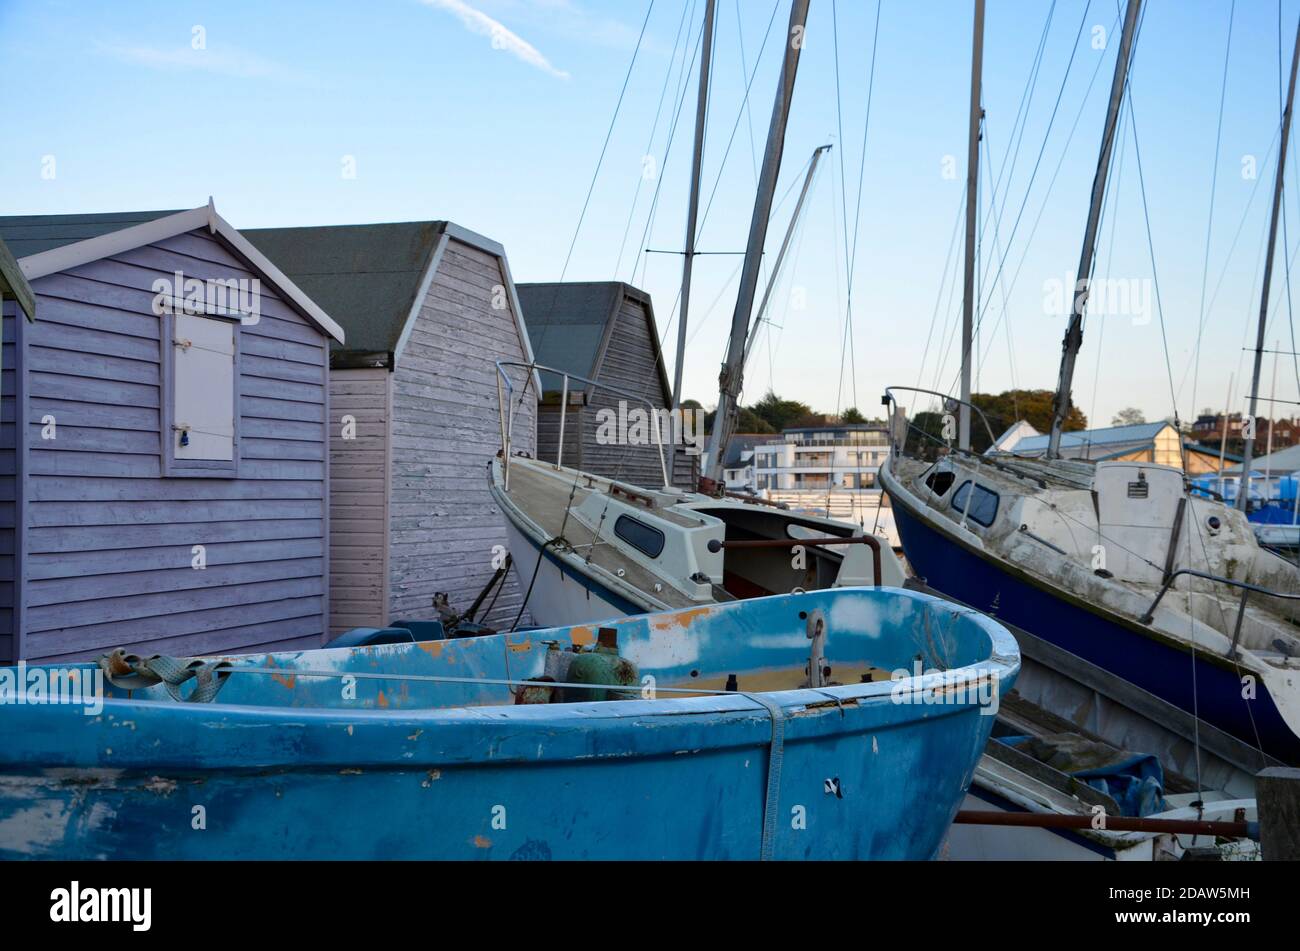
200	398
644	538
983	503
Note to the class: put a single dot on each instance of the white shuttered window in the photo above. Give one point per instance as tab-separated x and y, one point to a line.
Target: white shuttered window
203	390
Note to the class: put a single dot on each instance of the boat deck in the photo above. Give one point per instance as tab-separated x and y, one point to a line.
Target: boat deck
544	497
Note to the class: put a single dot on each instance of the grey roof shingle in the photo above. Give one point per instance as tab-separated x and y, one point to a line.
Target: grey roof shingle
32	234
14	284
566	323
366	276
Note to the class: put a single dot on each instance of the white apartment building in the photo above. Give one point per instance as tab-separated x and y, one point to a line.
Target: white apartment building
834	458
830	471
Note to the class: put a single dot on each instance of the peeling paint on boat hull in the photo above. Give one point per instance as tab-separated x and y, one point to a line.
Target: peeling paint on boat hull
679	778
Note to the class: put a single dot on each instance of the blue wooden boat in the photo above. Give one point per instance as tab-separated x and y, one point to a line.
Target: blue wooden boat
852	732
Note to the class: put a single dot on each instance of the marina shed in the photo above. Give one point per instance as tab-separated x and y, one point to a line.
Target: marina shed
1159	442
429	308
604	331
170	472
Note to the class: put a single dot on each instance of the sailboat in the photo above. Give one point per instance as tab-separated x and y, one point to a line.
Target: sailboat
1117	562
588	547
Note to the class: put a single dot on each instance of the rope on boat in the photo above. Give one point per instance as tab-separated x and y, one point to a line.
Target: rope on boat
133	672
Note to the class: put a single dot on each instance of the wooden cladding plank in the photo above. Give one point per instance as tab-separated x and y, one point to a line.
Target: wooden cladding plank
126	537
169	513
204	630
150	606
62	592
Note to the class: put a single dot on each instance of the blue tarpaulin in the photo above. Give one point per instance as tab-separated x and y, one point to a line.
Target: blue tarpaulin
1135	781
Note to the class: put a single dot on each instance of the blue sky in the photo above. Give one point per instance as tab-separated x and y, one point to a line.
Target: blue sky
440	120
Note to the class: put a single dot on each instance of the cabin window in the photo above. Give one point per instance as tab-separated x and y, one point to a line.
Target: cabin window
940	482
200	395
644	538
983	503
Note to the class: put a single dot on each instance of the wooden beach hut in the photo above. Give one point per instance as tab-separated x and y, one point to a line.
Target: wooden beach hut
168	458
429	308
604	331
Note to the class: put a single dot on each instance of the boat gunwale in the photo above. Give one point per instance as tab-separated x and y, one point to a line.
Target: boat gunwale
801	705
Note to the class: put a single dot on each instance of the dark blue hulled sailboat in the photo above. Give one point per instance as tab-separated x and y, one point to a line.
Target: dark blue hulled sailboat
1117	562
840	724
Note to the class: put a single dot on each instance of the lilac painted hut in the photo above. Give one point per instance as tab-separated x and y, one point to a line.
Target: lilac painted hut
167	477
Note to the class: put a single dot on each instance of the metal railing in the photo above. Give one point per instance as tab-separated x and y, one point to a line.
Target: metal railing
1246	589
506	386
889	401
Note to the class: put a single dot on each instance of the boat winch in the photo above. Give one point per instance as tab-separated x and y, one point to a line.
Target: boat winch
601	666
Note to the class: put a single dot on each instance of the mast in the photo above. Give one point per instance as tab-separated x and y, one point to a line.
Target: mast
731	379
785	244
972	212
701	113
1074	332
1248	454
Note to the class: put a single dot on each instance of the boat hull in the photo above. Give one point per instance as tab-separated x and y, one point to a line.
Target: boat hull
560	595
436	762
1153	664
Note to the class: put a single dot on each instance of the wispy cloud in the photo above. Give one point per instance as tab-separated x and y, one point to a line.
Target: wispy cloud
476	21
225	61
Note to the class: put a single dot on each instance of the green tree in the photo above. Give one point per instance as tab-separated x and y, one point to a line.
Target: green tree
1032	406
781	414
746	422
851	416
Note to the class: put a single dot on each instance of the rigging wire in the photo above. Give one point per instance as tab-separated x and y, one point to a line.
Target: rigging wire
851	259
595	175
654	126
1043	148
1110	261
704	217
1209	223
1015	278
682	90
1021	123
979	320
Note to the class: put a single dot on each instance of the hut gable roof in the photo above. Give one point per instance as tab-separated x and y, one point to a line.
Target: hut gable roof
48	244
570	324
31	234
14	284
374	277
